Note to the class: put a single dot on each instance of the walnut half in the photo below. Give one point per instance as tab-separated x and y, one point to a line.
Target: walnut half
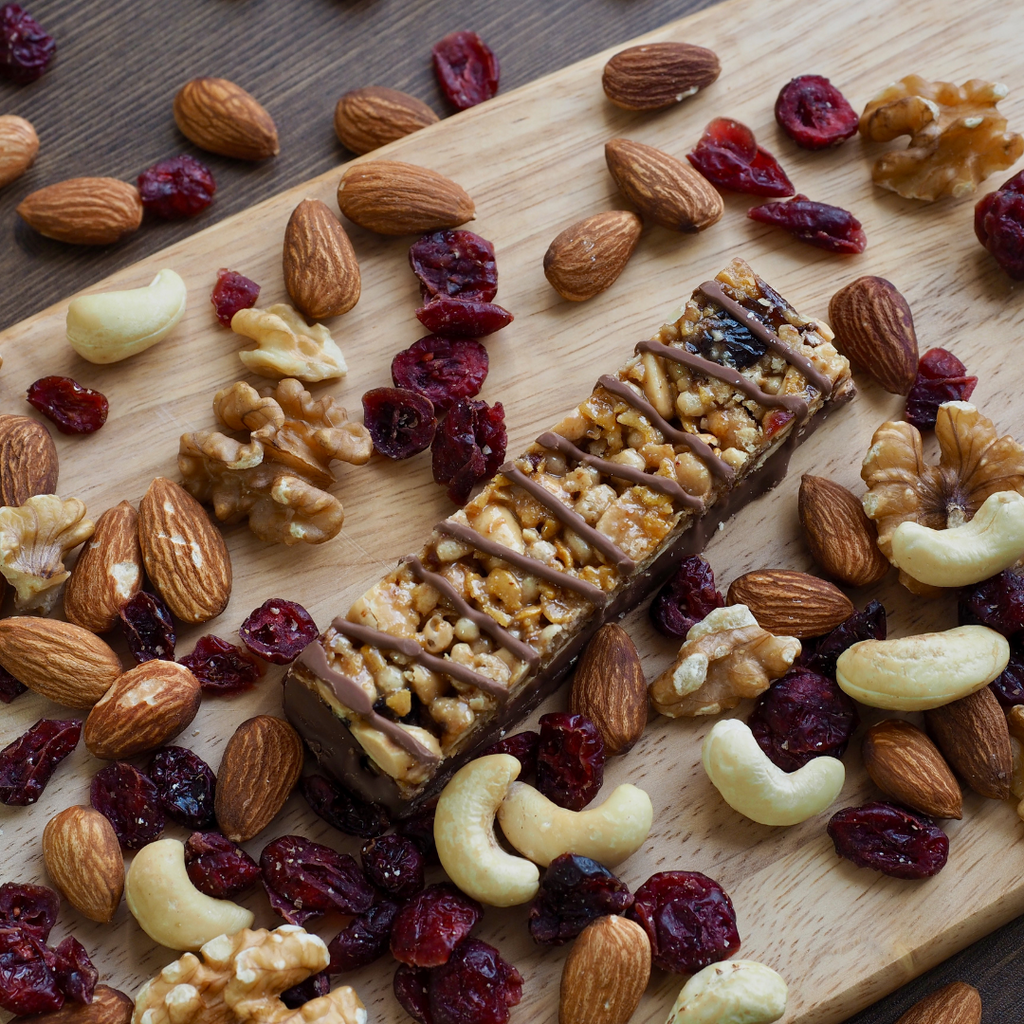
286	346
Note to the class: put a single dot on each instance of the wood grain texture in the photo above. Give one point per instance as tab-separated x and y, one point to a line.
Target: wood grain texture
533	162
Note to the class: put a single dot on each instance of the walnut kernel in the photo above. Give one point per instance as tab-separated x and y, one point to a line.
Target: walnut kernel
286	346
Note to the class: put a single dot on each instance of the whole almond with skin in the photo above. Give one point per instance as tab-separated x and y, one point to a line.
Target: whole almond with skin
393	198
904	763
588	256
665	190
874	329
19	145
185	556
108	572
223	118
83	211
843	541
610	689
657	75
958	1003
83	858
60	660
366	119
28	460
605	974
108	1006
320	268
790	603
973	734
262	763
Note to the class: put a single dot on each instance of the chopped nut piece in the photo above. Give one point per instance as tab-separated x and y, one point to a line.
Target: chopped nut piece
286	346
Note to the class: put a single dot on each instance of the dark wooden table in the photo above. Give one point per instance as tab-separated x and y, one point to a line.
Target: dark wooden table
105	109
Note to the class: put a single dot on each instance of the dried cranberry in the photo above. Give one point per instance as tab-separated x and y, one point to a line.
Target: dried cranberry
278	631
941	377
130	802
185	784
411	987
419	827
998	603
817	224
802	716
401	422
573	892
218	867
814	113
469	447
686	599
315	986
221	667
1009	685
395	865
570	759
466	69
889	839
463	318
342	809
178	187
9	686
27	764
689	919
999	225
364	939
821	655
32	908
148	627
27	981
76	976
432	924
26	49
231	293
475	986
455	263
441	369
728	156
304	879
70	407
524	746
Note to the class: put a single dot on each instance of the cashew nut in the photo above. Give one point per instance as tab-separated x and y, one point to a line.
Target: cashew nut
464	834
914	673
751	784
542	831
169	908
991	542
109	326
733	992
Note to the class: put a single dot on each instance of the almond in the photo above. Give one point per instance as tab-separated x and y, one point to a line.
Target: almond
83	211
843	541
145	707
904	763
108	1006
365	119
28	460
958	1003
973	734
605	973
320	268
658	75
665	190
60	660
108	572
609	688
588	256
185	556
1015	721
222	117
393	198
83	858
261	764
874	329
19	145
791	603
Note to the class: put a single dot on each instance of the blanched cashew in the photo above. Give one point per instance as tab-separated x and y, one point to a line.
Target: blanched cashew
169	908
464	834
733	992
914	673
751	784
991	542
110	326
542	831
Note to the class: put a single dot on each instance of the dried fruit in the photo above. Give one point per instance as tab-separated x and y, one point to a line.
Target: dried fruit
889	839
27	764
221	117
570	760
411	987
466	69
177	187
344	811
814	113
463	318
419	827
32	908
573	892
401	422
27	982
10	687
686	599
28	460
821	655
475	986
76	976
441	369
394	864
130	802
83	857
278	631
26	49
468	447
728	155
231	293
588	256
941	377
221	667
432	924
658	75
999	225
185	785
997	602
315	986
818	224
218	867
83	211
521	745
70	407
791	603
368	118
364	939
148	627
455	263
19	145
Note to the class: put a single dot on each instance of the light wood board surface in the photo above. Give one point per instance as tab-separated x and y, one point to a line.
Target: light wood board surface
533	161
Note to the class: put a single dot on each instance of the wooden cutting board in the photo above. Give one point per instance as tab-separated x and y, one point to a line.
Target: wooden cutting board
533	161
